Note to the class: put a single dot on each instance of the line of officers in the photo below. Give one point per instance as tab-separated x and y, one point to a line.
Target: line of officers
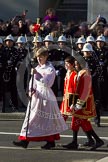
95	52
13	54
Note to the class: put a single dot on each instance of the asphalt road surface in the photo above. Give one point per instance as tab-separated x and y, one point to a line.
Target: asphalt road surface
10	129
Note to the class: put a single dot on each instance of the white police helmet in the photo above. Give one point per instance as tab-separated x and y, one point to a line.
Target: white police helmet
62	38
87	47
100	38
81	40
37	39
1	41
21	39
9	37
90	38
48	38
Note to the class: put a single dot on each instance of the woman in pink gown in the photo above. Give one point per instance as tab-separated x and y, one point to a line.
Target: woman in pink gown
45	120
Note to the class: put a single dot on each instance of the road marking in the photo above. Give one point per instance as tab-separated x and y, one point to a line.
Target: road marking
64	135
14	148
102	124
7	133
70	136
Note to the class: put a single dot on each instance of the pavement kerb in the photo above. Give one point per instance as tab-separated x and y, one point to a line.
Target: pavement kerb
13	116
103	159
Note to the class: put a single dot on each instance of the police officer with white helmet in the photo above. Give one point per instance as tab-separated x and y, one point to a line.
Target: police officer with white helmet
22	53
37	42
21	39
9	75
2	65
21	48
90	39
48	40
62	41
102	53
79	45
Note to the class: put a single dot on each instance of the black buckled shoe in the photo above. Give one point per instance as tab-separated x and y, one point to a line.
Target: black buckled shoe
23	144
72	146
98	144
48	145
89	143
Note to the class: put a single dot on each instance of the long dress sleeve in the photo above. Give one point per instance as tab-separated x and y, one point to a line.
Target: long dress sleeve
47	77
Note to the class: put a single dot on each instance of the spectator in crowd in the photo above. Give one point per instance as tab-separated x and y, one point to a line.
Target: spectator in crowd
4	29
31	30
22	27
97	27
50	15
105	33
15	30
51	22
84	30
71	29
47	27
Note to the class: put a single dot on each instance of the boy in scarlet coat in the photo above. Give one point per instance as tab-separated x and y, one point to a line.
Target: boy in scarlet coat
69	86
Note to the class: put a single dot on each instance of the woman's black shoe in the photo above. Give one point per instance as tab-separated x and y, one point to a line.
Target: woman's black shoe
48	145
23	144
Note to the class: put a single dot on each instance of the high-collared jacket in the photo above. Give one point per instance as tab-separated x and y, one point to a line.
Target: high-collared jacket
69	92
85	96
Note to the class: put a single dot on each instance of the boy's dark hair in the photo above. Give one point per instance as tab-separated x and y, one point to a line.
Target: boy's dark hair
70	59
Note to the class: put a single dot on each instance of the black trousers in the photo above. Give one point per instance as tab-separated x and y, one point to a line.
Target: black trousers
12	89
